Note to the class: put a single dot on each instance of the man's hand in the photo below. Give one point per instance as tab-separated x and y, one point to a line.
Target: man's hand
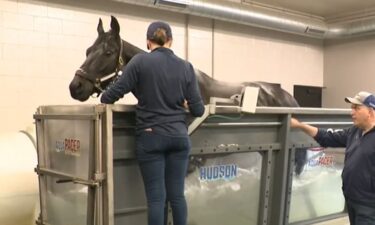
308	129
294	123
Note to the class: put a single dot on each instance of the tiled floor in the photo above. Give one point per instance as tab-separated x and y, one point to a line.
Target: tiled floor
339	221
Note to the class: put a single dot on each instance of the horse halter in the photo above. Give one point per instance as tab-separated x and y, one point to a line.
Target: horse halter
98	81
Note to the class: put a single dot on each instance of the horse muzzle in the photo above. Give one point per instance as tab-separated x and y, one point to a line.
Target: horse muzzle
80	88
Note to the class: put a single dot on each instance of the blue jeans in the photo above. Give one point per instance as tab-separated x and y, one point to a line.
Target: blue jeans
360	214
163	162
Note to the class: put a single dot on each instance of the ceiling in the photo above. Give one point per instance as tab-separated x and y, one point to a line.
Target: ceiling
324	19
327	9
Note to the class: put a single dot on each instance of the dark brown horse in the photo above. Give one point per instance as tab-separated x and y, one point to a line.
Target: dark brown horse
109	53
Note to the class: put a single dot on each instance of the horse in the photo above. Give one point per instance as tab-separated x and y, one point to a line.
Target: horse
110	53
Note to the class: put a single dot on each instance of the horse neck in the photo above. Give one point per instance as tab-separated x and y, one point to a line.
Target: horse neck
213	88
129	51
226	88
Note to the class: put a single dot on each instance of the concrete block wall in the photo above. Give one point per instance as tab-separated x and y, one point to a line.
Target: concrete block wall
43	42
40	44
243	53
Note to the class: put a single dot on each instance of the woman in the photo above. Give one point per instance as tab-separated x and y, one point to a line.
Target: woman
164	85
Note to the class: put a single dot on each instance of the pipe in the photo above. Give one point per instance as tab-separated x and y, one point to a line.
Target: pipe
350	29
19	184
264	17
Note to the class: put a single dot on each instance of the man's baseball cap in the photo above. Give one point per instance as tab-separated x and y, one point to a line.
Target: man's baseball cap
154	26
362	98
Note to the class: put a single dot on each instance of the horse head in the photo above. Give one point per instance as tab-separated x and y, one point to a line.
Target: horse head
104	60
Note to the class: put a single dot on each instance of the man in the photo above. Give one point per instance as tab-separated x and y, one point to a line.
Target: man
358	175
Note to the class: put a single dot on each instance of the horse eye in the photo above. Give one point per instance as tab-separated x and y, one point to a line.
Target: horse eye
108	53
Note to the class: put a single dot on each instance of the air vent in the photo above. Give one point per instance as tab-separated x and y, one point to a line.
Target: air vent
310	30
173	3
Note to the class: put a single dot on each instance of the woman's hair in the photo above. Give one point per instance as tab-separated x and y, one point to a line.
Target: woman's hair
160	36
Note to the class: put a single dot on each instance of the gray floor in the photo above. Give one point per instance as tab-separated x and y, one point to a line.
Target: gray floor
339	221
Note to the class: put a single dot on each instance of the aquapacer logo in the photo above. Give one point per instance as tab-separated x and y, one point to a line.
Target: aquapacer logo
69	146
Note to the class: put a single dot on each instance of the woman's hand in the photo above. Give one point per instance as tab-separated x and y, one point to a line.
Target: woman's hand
185	104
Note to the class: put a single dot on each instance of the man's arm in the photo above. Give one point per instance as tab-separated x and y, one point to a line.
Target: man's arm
308	129
325	137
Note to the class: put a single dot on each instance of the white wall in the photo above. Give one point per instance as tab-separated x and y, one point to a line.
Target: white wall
348	68
243	53
40	47
43	42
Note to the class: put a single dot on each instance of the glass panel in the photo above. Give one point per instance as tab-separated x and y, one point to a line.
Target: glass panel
316	191
224	188
69	146
66	203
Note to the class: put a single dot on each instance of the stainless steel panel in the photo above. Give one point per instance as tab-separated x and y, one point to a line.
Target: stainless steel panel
129	197
66	203
70	147
67	150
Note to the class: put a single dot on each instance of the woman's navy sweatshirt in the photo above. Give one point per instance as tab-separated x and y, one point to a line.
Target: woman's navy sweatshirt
161	82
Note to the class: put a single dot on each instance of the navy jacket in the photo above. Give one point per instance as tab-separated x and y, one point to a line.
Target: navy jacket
161	82
358	175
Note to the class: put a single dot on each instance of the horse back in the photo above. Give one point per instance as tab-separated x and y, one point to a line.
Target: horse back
271	94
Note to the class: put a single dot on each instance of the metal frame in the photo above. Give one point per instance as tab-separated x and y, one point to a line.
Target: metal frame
268	132
94	201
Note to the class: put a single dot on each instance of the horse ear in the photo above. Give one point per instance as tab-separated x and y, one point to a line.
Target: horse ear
100	27
115	26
